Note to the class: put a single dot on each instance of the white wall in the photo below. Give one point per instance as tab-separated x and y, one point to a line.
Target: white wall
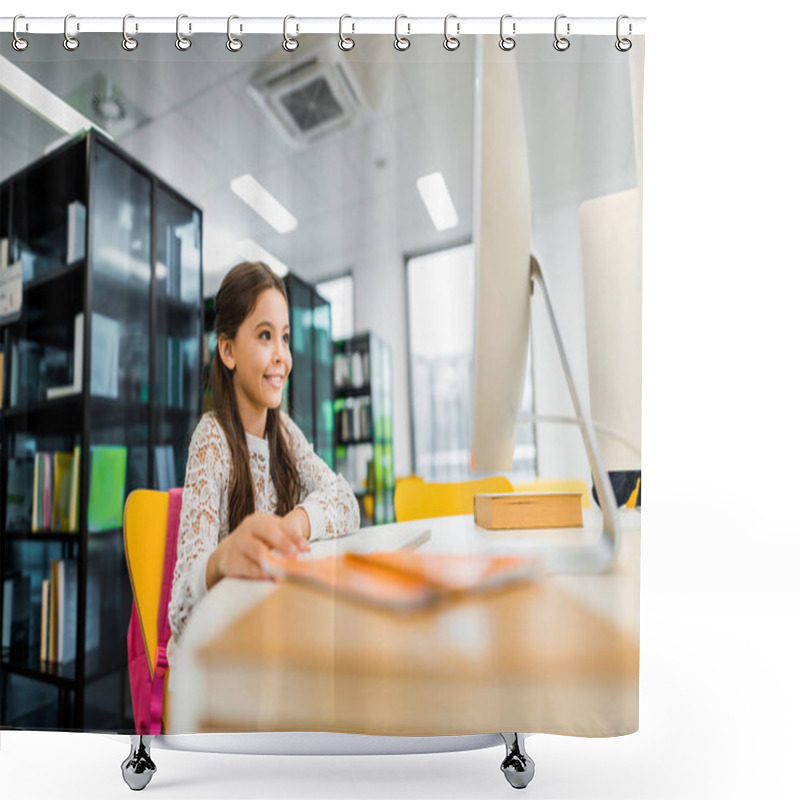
556	242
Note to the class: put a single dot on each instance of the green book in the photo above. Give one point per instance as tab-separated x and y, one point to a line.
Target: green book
107	486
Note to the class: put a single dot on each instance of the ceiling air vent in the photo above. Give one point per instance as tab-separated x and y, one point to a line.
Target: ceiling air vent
309	98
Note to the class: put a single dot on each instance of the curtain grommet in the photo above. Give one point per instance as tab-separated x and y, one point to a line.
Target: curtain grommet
507	42
290	43
623	44
70	42
561	43
346	43
233	44
182	42
129	43
401	43
19	44
451	42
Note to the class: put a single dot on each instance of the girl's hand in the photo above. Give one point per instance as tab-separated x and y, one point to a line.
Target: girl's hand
240	553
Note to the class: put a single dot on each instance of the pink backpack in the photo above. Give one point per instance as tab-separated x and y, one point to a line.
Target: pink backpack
147	689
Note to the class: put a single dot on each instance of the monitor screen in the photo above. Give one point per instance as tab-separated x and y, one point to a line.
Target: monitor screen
502	230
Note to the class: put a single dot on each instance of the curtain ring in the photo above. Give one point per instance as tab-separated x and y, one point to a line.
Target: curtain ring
623	45
400	42
561	43
344	42
451	42
507	42
70	42
128	42
290	43
19	43
182	43
233	44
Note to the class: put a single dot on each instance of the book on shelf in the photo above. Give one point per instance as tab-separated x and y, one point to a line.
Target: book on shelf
138	466
42	491
75	387
515	510
174	372
19	508
59	612
190	262
354	419
26	371
165	467
2	375
16	610
8	609
105	356
44	638
355	466
176	359
405	580
74	489
53	493
351	370
11	293
4	252
189	358
106	486
174	252
62	482
52	629
67	610
76	231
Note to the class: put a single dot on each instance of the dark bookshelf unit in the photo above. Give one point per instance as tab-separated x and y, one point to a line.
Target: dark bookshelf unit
102	369
209	349
308	397
363	423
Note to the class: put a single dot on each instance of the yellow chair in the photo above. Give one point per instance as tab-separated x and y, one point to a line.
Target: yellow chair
144	531
631	502
415	498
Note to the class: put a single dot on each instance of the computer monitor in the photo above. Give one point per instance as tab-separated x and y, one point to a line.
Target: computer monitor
501	225
505	268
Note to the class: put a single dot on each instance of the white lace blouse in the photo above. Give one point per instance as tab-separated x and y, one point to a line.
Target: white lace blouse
327	498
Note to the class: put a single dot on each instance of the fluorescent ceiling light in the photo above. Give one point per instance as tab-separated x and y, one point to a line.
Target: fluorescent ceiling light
437	200
252	251
263	203
42	101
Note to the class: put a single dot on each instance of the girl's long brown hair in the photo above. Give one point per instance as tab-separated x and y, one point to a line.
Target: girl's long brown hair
235	300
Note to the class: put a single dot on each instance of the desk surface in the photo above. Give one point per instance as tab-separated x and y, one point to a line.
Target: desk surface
559	656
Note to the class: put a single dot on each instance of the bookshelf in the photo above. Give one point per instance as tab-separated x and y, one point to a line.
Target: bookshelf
308	398
101	392
363	423
209	349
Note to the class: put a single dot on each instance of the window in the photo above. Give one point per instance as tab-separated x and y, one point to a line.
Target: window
441	302
339	292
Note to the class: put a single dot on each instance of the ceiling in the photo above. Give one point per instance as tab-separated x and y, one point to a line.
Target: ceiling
191	121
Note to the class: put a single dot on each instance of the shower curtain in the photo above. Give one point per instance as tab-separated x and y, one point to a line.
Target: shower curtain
361	170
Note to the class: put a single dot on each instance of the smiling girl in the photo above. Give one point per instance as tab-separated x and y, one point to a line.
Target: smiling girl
253	481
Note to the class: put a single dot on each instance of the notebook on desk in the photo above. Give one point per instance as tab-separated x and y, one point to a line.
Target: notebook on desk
368	540
400	579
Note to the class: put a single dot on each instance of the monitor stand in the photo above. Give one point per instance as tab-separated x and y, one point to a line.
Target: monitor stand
599	554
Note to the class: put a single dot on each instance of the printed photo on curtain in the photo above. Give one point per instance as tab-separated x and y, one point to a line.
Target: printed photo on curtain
320	389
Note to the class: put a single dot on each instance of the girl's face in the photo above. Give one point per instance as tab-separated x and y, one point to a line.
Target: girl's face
259	354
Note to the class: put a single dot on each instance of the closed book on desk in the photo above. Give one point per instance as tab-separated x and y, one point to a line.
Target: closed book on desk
404	581
529	510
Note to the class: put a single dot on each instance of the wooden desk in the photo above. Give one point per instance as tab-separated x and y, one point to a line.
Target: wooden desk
558	656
